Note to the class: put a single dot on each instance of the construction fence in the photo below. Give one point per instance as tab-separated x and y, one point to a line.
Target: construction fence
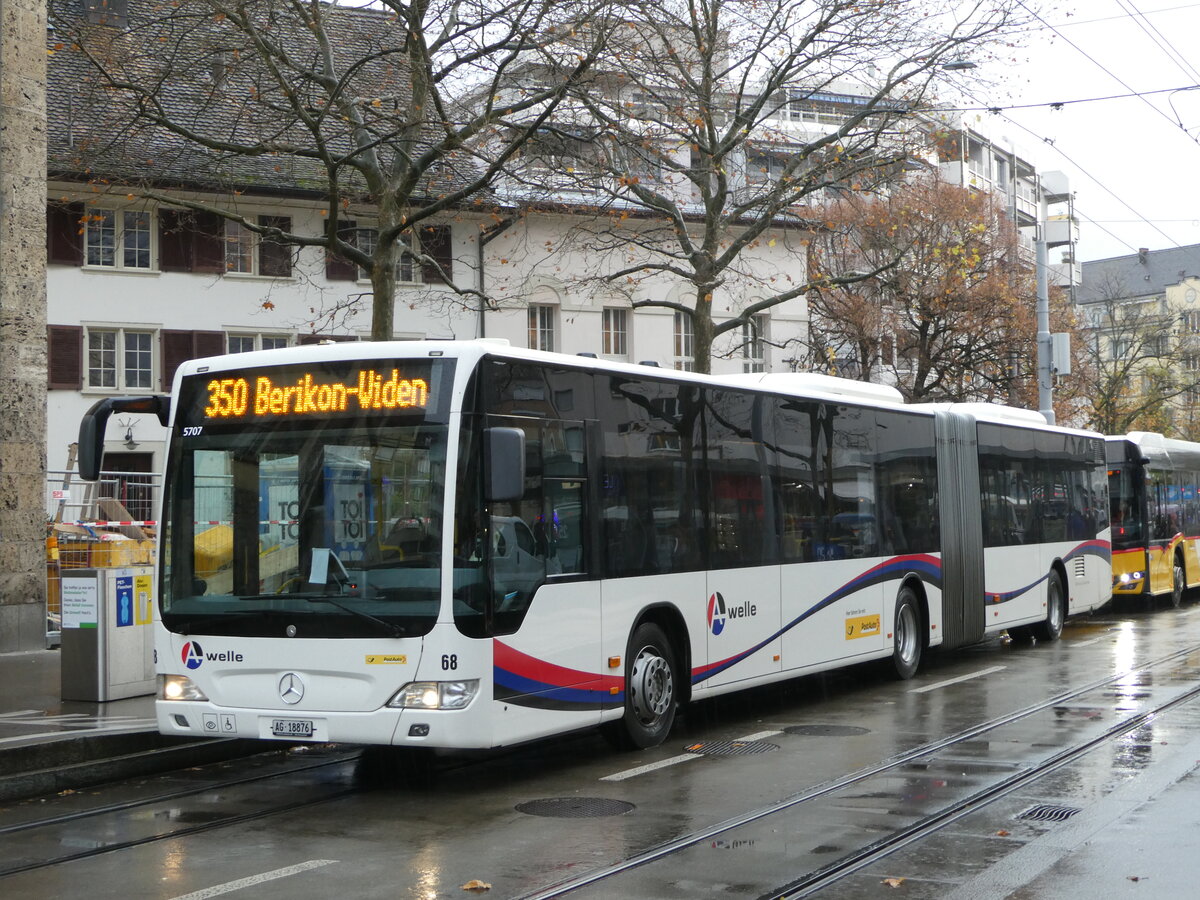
109	523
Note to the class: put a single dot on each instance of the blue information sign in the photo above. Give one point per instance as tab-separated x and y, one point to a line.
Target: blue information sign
125	600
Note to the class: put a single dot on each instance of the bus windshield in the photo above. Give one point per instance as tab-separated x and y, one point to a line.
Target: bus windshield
1125	505
329	526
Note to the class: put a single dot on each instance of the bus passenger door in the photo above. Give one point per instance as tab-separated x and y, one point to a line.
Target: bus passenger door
545	606
742	609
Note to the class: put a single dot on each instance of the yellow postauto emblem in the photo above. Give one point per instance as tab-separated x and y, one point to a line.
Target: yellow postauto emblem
862	626
386	659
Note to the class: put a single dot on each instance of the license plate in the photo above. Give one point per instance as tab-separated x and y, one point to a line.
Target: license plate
292	727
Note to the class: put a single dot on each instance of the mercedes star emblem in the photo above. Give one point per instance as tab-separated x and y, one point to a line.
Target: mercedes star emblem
291	689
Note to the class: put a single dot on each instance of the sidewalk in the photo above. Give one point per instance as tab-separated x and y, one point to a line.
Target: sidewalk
48	744
32	711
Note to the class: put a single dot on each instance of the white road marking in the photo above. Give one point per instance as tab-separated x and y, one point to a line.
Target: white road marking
682	758
758	736
231	886
642	770
122	728
1089	642
949	681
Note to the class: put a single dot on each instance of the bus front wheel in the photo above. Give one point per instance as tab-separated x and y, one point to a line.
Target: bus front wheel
650	695
1050	628
1178	582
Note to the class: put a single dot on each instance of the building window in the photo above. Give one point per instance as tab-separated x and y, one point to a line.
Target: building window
616	335
245	343
119	239
120	359
407	271
754	335
434	242
249	253
685	343
541	328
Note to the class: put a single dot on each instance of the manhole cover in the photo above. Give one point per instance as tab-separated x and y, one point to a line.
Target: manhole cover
730	748
575	807
827	730
1048	813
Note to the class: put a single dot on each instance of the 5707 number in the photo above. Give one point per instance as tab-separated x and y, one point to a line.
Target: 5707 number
227	397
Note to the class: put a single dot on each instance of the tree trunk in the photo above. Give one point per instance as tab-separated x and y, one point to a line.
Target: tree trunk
702	331
383	275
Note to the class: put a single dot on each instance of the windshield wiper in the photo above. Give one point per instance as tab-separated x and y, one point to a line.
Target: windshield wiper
390	627
198	624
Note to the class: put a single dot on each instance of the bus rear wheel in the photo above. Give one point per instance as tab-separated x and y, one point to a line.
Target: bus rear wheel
1050	628
650	695
906	652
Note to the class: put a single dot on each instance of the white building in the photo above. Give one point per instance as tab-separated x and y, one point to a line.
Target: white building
131	294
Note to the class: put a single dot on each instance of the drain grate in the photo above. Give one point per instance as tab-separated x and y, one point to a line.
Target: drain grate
827	730
575	807
1046	812
731	748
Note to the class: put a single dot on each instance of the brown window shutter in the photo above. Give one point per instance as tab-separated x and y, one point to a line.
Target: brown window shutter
176	347
274	258
435	242
174	240
179	346
64	240
64	345
208	242
336	267
207	343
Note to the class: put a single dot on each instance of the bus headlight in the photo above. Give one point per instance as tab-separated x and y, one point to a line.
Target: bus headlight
436	695
1130	577
178	687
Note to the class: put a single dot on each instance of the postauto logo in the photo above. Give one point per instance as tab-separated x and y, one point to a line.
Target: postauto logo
193	655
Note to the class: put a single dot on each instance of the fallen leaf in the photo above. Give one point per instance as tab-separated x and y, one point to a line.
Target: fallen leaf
476	885
893	882
1003	833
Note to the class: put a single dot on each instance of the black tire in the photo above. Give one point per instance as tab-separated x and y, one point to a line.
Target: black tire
651	697
1177	582
906	629
1050	628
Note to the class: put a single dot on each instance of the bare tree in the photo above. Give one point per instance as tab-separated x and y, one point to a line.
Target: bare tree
358	107
1130	379
710	128
949	316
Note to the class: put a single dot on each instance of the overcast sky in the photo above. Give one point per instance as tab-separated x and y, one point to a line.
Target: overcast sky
1133	161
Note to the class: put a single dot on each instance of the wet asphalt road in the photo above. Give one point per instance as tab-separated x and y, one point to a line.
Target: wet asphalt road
548	814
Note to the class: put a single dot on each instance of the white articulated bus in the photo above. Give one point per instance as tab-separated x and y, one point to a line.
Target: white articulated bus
463	545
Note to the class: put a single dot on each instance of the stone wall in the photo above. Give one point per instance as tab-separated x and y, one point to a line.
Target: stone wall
22	323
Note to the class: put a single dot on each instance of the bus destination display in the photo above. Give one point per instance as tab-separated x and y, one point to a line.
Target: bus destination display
304	393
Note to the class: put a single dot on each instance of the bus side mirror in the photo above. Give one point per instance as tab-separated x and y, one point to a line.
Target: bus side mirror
95	421
91	441
504	464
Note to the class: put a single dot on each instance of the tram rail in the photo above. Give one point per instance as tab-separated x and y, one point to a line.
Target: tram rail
806	884
32	828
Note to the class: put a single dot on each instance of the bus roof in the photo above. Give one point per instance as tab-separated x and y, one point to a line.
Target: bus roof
803	384
1157	448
